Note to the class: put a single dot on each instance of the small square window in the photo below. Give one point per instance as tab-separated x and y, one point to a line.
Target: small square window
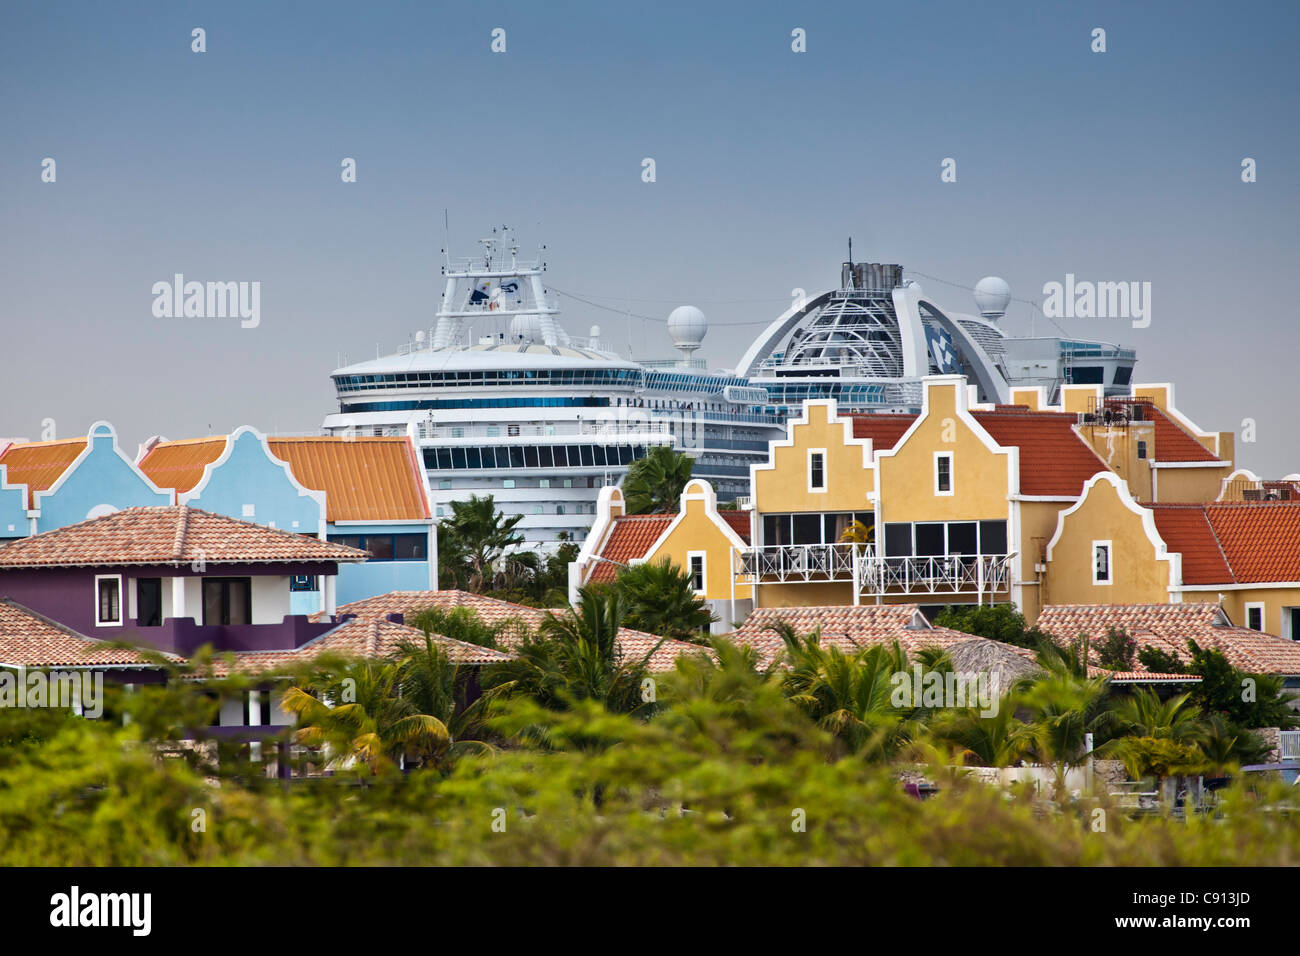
1101	568
943	473
817	470
457	432
494	431
1142	449
508	483
544	483
1255	617
512	430
697	571
108	599
444	483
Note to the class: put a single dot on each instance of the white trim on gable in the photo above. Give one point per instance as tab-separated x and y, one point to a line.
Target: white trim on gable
196	492
1244	474
85	453
833	417
1148	517
1171	409
706	494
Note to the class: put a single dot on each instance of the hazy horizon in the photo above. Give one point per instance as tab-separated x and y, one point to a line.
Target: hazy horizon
225	166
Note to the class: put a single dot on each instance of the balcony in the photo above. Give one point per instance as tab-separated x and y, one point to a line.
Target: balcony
799	562
939	574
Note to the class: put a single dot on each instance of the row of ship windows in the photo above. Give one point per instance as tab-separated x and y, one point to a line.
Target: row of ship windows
433	404
572	508
496	377
532	456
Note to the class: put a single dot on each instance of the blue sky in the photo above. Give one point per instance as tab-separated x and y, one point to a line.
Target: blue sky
225	166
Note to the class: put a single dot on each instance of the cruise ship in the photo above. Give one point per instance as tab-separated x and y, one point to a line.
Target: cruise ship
868	343
502	400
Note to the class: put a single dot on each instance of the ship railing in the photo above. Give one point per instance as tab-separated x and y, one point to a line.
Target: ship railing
798	562
616	428
935	574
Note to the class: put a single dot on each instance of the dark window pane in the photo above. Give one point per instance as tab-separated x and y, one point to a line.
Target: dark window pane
807	529
380	546
409	547
898	540
993	537
148	599
961	537
929	538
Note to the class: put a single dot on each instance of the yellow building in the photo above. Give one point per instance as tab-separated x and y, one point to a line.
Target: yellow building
958	503
698	537
1243	555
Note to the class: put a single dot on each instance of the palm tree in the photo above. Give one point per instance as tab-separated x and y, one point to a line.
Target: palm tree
850	696
431	684
1144	714
463	624
355	715
575	656
997	740
473	540
661	599
1064	707
655	482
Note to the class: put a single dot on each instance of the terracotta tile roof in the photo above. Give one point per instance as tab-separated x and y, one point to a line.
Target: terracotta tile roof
1168	627
883	429
364	479
167	535
1174	444
1054	460
492	611
1186	529
1260	539
739	521
39	464
28	639
1235	542
358	637
180	464
630	538
847	627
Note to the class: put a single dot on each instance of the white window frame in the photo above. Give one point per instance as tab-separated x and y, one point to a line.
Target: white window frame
1289	618
704	570
825	475
1110	562
952	475
1263	615
121	602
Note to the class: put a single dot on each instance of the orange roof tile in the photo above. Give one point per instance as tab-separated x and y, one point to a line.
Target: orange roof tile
882	428
1234	542
171	534
39	464
629	539
364	478
180	464
1054	460
1186	529
28	639
1168	627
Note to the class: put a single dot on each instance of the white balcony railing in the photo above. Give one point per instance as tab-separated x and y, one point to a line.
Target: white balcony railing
798	562
942	574
1289	745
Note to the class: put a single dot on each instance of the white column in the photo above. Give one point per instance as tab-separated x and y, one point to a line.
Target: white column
330	581
178	597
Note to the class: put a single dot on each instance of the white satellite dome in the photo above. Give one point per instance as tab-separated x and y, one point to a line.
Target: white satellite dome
526	326
687	326
992	296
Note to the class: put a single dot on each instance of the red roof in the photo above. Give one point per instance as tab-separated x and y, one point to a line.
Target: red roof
1054	460
883	429
1241	542
28	639
628	540
1173	442
739	521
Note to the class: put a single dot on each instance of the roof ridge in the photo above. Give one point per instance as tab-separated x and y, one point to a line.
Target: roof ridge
182	527
1214	533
